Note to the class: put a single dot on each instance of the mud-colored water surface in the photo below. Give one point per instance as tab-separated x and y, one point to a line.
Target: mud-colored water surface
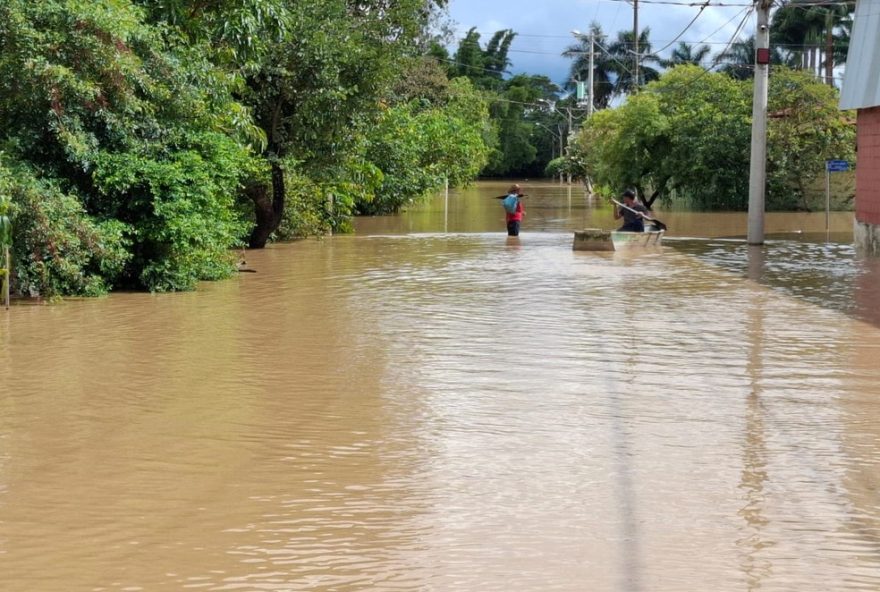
429	405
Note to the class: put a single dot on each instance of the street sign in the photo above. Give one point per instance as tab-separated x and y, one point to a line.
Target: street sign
836	166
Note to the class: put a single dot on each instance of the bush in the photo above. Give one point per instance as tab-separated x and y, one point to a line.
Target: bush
57	248
306	211
182	207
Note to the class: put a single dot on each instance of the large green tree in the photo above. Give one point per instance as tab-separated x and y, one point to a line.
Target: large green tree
524	100
418	145
806	129
320	85
689	134
133	139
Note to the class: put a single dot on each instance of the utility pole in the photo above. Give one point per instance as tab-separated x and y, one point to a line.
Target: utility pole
590	77
758	163
561	147
568	142
636	40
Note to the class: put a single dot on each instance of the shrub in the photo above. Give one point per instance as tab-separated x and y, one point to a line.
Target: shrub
57	248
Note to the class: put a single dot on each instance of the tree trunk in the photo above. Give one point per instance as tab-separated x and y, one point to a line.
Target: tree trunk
268	210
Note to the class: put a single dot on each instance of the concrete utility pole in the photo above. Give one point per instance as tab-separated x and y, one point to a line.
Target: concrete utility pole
590	78
568	141
636	39
758	164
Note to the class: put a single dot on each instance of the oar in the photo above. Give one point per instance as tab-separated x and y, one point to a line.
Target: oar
654	221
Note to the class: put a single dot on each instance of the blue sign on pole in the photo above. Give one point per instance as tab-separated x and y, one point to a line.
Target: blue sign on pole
836	166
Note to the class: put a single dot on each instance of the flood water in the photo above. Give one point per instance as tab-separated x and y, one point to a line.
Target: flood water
429	406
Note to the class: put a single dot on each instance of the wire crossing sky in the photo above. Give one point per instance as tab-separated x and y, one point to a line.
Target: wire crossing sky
544	28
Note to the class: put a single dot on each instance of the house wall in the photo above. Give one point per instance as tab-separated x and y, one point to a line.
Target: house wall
867	221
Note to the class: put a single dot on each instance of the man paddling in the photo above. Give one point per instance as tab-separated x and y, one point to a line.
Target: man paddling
632	214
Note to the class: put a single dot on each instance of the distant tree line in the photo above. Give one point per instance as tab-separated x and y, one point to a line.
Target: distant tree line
535	120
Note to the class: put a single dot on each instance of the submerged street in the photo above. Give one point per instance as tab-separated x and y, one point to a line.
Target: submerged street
427	405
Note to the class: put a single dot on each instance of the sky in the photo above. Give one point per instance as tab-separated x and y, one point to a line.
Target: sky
544	27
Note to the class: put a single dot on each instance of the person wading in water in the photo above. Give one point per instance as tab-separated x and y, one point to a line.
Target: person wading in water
513	209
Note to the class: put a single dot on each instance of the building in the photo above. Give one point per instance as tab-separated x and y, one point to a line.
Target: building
861	91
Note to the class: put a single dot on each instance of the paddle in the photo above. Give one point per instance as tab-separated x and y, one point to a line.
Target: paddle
660	225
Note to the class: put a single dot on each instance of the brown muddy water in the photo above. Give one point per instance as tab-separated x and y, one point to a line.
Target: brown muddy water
429	406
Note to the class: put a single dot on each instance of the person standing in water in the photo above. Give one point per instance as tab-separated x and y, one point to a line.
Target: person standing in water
513	209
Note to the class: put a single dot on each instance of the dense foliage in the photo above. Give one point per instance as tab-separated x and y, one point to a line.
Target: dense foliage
142	140
689	133
420	144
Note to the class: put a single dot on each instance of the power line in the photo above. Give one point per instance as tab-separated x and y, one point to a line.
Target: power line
683	31
677	3
716	31
715	61
463	65
808	3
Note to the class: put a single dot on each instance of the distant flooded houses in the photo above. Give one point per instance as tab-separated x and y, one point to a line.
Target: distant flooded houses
861	91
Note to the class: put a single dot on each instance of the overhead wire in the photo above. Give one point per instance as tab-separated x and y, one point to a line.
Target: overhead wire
683	31
678	3
716	31
717	57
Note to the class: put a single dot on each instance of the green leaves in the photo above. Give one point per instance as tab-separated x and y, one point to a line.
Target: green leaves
417	147
57	247
805	129
690	132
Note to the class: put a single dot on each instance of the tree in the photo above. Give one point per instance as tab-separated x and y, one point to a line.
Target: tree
623	147
689	133
806	128
118	137
813	35
485	67
686	53
666	138
738	60
604	73
623	61
514	113
417	145
320	85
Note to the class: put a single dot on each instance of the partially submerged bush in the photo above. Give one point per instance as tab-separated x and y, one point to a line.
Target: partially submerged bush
57	248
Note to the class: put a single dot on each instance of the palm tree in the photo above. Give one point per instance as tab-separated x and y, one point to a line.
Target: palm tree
603	74
738	61
623	52
810	31
686	53
840	14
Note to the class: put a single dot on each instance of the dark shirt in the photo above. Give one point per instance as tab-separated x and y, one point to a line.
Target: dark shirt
632	222
631	217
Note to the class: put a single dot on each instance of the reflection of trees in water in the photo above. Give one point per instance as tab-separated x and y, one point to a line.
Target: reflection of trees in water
754	471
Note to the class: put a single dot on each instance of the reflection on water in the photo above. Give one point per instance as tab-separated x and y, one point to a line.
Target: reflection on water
454	411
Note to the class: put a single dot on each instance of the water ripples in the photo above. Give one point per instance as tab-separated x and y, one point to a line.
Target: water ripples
450	412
